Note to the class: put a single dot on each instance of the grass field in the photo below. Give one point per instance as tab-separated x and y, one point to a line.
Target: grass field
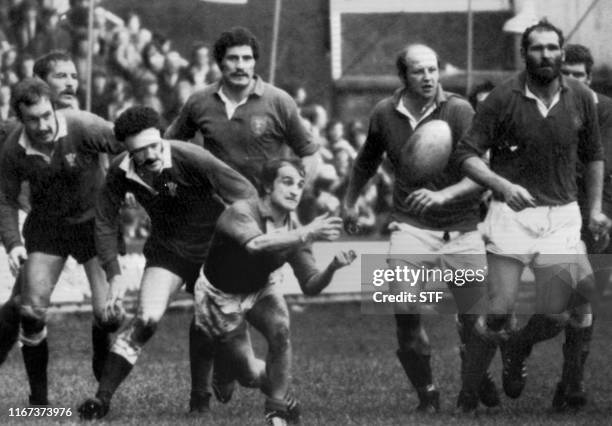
345	373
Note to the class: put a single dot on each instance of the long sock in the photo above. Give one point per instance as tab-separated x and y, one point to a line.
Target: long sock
35	359
201	356
417	367
9	328
101	342
538	328
115	371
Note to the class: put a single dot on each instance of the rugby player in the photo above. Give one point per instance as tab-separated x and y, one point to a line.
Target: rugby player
534	125
578	64
56	151
58	70
244	122
260	235
436	218
183	188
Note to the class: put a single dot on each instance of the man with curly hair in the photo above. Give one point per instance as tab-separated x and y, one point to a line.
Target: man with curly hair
183	188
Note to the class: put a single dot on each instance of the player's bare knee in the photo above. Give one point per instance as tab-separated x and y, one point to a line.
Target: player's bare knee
33	325
279	340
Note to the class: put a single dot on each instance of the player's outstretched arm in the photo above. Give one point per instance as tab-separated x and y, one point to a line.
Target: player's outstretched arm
323	228
317	282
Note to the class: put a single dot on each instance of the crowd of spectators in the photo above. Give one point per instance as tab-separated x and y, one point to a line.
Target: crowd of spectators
339	143
130	63
133	65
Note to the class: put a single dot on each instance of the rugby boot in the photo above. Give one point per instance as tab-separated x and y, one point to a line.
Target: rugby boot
429	400
282	412
487	391
199	403
514	372
93	409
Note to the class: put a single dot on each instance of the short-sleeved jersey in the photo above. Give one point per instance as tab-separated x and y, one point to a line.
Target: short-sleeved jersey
539	153
388	133
261	129
64	185
184	202
229	265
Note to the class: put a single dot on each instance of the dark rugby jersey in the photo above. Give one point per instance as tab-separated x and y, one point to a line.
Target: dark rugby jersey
539	153
63	187
604	116
229	265
261	129
184	202
388	132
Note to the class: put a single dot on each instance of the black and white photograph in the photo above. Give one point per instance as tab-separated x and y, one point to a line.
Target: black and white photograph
305	212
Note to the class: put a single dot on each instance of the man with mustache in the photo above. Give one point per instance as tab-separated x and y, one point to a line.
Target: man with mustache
244	122
434	221
183	188
57	69
535	125
57	153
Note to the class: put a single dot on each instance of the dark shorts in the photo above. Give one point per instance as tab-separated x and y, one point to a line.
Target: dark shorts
161	257
60	239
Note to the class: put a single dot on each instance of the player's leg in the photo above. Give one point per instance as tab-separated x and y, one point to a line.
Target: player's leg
101	330
10	319
201	358
503	282
571	391
41	272
235	360
414	349
157	287
270	316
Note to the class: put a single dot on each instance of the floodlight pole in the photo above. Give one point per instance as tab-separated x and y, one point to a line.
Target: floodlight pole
470	48
275	27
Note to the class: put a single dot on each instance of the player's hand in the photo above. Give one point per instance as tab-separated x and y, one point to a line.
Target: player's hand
323	228
599	225
17	257
113	308
419	201
518	198
343	258
130	200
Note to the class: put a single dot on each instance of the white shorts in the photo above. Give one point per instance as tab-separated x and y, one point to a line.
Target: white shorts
419	246
218	313
538	236
452	260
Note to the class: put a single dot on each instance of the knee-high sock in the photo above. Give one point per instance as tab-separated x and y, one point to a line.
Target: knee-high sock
116	369
9	328
101	343
35	359
538	328
201	356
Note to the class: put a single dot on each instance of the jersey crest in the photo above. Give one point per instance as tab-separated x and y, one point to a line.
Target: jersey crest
259	124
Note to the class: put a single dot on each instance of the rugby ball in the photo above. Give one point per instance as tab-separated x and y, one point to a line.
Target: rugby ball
425	154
